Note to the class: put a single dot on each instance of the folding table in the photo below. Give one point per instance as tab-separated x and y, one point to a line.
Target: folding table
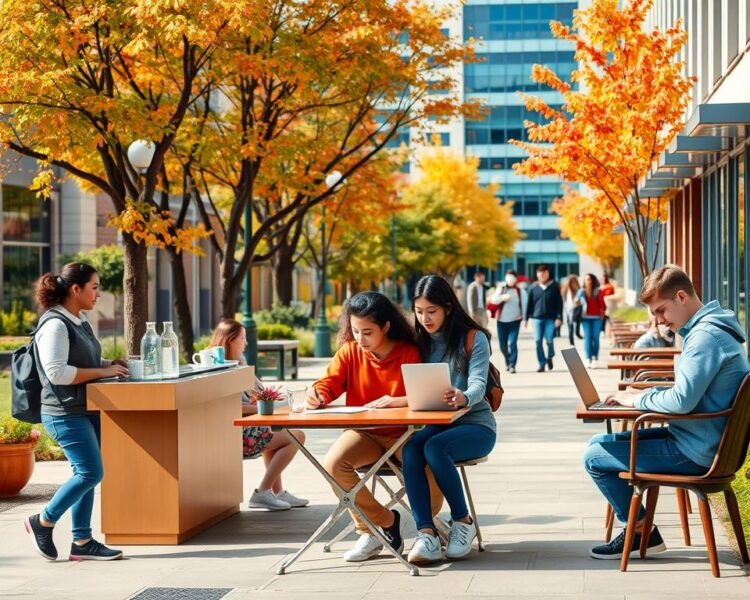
412	421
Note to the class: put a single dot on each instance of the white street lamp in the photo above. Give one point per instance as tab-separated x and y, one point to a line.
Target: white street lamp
140	154
333	178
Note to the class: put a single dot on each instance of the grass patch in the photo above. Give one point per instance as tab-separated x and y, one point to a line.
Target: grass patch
631	313
46	447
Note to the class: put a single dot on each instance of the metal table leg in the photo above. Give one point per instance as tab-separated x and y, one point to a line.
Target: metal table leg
347	501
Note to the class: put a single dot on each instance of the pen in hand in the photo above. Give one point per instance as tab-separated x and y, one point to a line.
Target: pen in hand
313	399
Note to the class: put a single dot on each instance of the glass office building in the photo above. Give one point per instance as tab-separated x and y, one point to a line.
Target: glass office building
512	36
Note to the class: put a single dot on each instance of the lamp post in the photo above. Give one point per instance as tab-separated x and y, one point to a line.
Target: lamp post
322	330
251	331
140	155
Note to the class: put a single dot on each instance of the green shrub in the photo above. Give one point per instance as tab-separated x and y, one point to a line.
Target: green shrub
275	331
291	316
10	344
202	342
306	340
631	313
19	321
113	348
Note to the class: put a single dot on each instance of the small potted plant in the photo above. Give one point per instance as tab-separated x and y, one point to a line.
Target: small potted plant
17	442
265	399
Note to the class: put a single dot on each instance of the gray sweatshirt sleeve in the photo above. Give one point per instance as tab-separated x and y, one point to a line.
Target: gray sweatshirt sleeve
479	364
53	346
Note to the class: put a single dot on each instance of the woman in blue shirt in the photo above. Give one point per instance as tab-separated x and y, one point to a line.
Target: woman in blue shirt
442	326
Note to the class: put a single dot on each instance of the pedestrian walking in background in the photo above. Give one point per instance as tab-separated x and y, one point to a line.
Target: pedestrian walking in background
510	300
544	310
476	299
591	299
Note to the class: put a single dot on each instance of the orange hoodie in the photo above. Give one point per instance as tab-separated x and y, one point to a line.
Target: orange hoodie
365	378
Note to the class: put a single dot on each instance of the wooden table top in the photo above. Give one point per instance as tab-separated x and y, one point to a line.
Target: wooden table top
627	352
657	364
376	417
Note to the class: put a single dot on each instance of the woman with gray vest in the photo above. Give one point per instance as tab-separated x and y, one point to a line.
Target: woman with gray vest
69	356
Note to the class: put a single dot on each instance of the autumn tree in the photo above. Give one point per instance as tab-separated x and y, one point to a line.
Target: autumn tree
79	81
452	220
582	222
622	107
323	86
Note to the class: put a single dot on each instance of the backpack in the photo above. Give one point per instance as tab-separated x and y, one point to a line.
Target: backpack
26	386
493	393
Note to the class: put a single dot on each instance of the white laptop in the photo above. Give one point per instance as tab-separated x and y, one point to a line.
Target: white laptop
425	385
586	387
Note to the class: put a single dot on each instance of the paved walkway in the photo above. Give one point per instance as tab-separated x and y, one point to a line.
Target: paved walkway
538	511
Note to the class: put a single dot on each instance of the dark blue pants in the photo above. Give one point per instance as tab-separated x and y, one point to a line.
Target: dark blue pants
507	334
440	447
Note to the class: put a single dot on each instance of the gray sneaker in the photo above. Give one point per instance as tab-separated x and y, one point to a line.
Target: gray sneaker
293	500
268	500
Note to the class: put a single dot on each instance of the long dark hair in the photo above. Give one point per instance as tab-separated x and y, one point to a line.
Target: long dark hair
53	288
457	324
594	284
377	308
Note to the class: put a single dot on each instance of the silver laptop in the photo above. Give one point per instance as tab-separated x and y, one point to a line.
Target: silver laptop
586	387
425	385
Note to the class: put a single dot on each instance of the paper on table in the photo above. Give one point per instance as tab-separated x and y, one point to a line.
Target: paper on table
340	409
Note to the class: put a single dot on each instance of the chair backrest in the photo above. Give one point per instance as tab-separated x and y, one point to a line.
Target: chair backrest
732	449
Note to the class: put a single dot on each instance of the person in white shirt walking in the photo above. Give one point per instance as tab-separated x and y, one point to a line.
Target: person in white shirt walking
511	301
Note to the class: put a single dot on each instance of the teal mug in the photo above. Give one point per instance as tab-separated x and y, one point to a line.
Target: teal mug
265	407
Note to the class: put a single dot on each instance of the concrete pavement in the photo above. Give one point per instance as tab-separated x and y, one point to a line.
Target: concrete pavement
538	511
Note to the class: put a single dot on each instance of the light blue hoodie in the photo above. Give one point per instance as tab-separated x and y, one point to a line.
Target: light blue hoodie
708	374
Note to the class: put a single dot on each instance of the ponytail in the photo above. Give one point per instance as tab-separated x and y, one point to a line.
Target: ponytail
52	289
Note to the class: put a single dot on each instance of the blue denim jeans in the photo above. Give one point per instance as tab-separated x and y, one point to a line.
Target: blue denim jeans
608	454
592	329
79	436
544	330
507	334
439	447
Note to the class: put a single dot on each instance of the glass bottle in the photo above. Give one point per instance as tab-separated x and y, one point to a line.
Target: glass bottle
170	352
150	345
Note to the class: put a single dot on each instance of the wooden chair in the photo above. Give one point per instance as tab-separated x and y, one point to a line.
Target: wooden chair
730	455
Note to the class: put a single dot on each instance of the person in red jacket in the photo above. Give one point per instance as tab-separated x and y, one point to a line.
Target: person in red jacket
593	314
375	339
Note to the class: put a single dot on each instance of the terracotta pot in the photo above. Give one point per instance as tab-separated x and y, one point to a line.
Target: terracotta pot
16	467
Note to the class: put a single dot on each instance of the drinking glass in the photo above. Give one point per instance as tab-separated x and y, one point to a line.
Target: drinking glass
297	399
135	366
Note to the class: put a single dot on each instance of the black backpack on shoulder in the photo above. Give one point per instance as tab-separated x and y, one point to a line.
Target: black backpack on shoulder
26	386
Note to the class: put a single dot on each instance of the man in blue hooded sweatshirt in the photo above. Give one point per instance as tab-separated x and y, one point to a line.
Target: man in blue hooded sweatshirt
708	374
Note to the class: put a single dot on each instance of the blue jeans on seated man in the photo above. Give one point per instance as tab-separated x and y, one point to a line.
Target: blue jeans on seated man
608	454
79	436
592	329
507	335
544	330
440	447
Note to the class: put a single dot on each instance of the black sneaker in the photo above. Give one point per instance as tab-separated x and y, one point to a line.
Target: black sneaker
41	537
393	533
614	549
549	364
93	550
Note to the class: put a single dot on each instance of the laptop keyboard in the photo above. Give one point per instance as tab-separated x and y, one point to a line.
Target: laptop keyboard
602	406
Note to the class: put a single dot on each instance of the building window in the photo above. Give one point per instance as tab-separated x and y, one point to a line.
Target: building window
25	217
515	21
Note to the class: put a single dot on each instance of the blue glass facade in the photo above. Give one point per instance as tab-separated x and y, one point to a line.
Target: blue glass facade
512	36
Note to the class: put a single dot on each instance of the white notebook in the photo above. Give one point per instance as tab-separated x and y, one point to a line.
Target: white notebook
339	409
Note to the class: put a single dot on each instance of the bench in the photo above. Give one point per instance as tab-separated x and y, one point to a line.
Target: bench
277	358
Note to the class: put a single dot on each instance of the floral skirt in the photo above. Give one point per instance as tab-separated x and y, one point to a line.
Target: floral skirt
254	439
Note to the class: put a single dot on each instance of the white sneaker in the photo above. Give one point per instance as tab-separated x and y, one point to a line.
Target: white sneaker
267	500
366	547
460	539
595	364
425	549
292	500
590	364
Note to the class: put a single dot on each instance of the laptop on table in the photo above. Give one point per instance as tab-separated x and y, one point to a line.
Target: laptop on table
584	385
425	385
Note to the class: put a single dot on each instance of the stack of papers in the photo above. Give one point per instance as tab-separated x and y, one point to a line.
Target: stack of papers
340	409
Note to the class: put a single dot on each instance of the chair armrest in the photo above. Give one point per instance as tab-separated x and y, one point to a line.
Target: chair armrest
643	374
643	385
647	417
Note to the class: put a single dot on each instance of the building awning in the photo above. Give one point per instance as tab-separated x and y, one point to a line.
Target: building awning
710	132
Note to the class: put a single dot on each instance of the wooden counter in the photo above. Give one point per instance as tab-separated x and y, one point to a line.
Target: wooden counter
172	456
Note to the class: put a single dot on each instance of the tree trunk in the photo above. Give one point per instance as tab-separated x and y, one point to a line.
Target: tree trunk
283	271
228	299
183	316
135	294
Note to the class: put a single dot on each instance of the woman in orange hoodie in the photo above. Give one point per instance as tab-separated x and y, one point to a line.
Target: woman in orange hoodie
375	339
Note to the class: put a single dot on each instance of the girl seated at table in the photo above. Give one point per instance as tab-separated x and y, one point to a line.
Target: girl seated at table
375	339
276	449
442	329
